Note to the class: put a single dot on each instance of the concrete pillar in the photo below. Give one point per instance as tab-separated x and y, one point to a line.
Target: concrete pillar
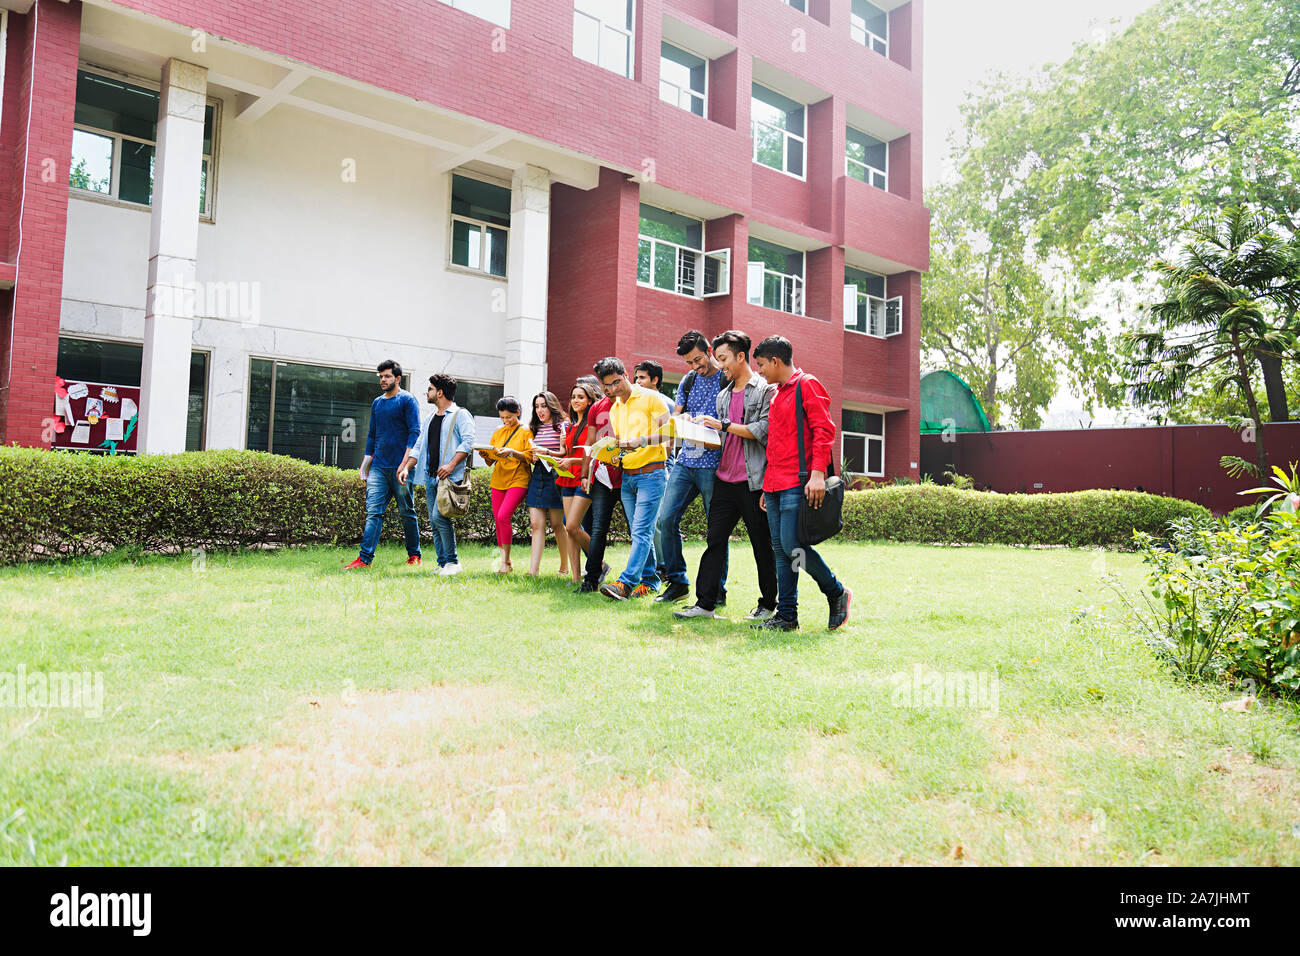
527	266
173	255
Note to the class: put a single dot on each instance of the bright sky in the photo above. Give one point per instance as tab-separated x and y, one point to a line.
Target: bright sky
965	40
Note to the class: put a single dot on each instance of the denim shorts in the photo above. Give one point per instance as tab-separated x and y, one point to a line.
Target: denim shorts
574	492
542	492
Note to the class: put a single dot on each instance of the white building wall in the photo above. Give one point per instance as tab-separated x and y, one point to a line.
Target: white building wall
329	268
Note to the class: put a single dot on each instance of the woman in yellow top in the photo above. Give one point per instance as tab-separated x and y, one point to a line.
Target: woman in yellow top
511	459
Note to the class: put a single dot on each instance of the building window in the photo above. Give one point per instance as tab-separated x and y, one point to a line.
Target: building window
863	443
602	33
480	225
114	141
866	309
671	256
869	25
867	158
683	79
312	412
800	5
120	363
777	126
494	11
775	278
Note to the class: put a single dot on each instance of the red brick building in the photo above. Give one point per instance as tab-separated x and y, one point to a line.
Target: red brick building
265	199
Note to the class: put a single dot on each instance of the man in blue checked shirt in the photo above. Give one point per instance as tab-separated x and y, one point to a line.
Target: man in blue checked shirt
696	466
391	438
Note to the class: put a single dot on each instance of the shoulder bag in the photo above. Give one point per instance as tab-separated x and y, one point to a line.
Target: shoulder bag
815	525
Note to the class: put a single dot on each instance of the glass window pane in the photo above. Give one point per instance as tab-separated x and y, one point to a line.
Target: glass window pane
479	399
617	12
496	11
665	267
209	124
465	238
669	93
875	457
768	146
854	453
643	253
92	162
771	107
115	106
868	283
475	199
259	404
869	16
794	156
203	189
496	251
662	224
113	363
586	38
615	51
135	179
197	401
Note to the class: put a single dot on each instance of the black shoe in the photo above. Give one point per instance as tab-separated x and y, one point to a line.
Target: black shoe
722	601
673	593
604	573
585	588
775	624
840	610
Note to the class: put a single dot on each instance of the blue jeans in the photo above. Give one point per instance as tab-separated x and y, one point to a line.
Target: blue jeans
641	496
444	535
380	487
682	487
783	520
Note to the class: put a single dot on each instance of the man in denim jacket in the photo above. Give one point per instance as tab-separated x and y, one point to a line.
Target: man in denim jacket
442	454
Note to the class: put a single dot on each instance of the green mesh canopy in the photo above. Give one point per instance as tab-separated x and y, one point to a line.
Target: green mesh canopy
945	400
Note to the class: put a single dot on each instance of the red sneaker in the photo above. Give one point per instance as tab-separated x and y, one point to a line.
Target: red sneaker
413	561
357	563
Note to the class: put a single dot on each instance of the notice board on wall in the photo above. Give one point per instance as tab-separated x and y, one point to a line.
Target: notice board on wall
96	416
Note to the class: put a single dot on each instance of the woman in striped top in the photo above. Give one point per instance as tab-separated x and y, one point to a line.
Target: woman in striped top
548	426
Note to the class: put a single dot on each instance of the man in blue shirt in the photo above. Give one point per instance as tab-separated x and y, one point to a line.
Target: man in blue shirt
695	469
444	447
391	439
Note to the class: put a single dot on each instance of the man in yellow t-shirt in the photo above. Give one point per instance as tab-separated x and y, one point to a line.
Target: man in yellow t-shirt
637	419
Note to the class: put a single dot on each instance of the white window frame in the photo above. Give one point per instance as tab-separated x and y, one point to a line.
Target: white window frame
884	316
113	195
785	141
868	38
867	439
483	225
690	262
689	94
601	25
870	171
791	286
460	5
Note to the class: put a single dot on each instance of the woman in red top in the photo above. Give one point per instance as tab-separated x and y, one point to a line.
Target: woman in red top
576	501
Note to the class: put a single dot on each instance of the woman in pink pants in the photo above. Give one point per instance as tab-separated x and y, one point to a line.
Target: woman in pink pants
511	460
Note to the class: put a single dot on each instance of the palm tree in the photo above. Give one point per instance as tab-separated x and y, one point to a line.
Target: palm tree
1221	312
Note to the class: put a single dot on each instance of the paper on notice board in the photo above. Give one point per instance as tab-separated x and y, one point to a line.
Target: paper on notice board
114	429
78	390
128	409
81	434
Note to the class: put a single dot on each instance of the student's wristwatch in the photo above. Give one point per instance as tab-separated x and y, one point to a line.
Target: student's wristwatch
726	425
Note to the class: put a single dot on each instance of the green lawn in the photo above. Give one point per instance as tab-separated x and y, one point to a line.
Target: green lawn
266	708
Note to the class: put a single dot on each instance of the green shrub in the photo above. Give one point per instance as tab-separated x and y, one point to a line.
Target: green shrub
58	504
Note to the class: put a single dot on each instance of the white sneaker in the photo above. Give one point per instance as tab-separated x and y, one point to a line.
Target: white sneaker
759	613
449	570
693	611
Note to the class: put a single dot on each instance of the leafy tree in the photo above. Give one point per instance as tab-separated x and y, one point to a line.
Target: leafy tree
1004	318
1234	276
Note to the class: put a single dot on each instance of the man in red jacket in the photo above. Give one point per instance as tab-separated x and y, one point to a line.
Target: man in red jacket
787	479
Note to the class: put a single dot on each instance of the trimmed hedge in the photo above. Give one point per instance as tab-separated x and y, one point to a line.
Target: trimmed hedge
56	504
